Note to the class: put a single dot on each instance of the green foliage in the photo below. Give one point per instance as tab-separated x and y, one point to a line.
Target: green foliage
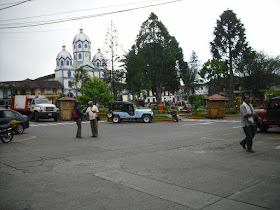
216	73
196	101
270	93
80	77
60	95
260	72
154	59
95	90
229	44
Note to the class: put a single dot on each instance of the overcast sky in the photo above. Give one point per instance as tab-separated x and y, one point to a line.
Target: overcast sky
31	52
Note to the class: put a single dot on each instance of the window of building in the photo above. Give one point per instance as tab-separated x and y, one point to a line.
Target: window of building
69	73
97	64
69	84
79	46
80	56
58	63
74	47
61	63
67	63
85	45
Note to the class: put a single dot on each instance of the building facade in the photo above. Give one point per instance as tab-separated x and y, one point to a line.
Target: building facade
66	64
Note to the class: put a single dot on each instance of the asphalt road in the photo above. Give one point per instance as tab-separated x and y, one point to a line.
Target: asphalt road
193	164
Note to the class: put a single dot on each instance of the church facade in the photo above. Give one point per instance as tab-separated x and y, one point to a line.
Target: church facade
66	64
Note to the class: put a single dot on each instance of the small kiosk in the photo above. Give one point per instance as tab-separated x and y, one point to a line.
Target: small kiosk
66	105
216	106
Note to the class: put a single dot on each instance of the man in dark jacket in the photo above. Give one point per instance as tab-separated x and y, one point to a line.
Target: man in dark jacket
79	119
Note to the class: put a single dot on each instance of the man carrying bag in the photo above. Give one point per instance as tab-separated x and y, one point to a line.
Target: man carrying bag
92	112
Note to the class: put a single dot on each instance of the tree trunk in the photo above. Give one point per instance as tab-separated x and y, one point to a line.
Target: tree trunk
158	95
231	85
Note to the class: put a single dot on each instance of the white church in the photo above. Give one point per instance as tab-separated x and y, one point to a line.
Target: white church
66	65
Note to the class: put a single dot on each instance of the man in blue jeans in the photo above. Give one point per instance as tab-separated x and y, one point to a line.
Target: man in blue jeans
248	114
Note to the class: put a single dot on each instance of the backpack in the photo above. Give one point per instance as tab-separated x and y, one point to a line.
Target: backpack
74	114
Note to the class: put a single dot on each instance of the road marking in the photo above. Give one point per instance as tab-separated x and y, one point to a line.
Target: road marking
237	127
181	195
31	137
278	147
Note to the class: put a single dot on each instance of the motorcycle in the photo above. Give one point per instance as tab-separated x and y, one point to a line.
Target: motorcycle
6	133
174	115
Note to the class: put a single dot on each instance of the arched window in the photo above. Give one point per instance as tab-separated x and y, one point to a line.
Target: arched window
80	56
58	63
85	45
74	47
69	73
79	46
70	94
69	84
97	64
61	63
67	63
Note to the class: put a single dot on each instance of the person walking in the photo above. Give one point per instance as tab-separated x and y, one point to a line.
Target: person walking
248	123
78	119
92	112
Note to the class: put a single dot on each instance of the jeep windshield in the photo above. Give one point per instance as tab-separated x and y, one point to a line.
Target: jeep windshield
42	101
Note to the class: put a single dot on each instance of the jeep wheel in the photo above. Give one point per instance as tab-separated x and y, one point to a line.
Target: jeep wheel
146	118
109	115
116	119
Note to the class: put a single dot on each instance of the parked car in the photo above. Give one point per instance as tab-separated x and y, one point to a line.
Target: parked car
119	110
7	115
270	116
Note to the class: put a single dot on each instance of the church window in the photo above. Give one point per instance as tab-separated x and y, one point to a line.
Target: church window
58	63
69	73
80	56
79	46
69	84
74	47
85	45
67	63
97	64
61	63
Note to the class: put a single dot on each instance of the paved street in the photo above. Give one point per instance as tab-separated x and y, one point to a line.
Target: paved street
193	164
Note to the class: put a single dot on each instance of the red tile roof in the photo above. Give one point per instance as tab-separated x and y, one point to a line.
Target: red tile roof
217	97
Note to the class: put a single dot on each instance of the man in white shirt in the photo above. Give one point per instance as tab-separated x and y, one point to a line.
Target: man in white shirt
92	112
247	119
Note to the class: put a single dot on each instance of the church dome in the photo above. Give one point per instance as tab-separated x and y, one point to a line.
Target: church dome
98	59
63	54
81	37
63	59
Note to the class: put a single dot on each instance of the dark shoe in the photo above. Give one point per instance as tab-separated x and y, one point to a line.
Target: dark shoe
93	136
243	145
250	150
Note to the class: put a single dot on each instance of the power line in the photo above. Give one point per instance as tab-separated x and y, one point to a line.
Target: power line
75	11
85	17
9	3
15	4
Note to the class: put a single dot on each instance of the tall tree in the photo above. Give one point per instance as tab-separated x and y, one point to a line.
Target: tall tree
80	76
194	66
160	57
115	76
259	71
229	44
